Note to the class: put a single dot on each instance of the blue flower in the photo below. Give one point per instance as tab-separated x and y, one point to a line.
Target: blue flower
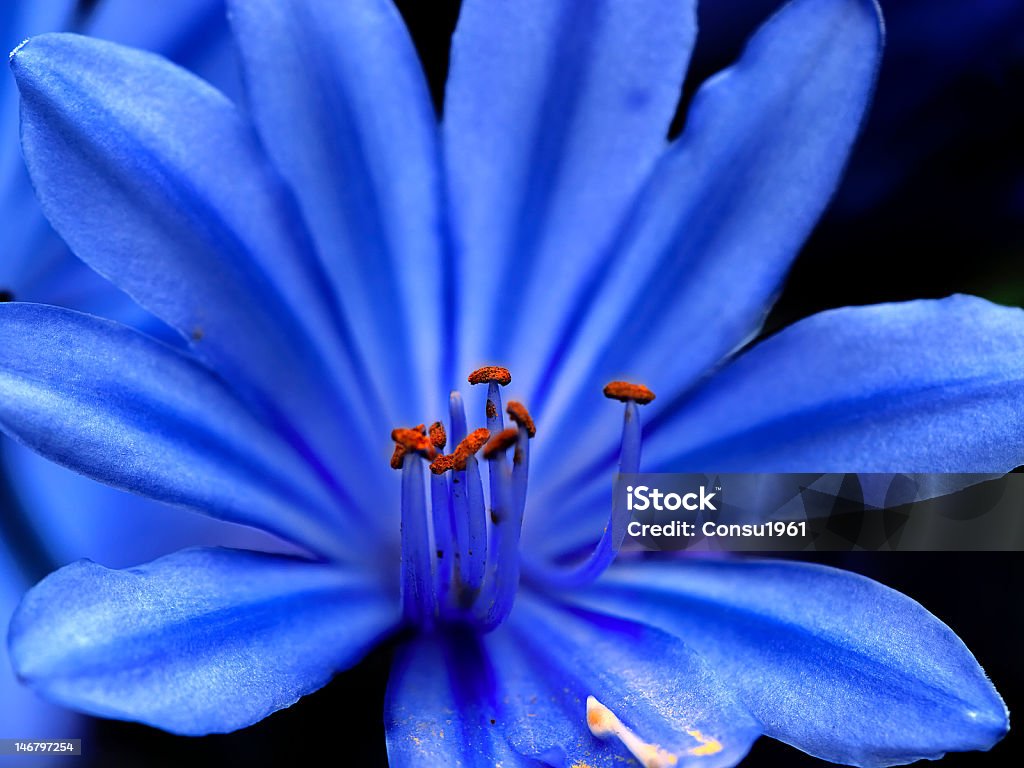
333	259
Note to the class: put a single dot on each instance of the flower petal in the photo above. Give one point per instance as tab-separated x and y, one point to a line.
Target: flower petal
23	714
110	403
525	686
831	662
154	179
192	33
550	659
922	386
438	706
202	641
341	103
74	517
722	217
555	113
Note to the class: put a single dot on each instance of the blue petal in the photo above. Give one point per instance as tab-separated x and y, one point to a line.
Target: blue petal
924	386
830	662
548	660
439	704
341	103
524	687
121	408
74	517
202	641
153	178
192	33
724	214
555	113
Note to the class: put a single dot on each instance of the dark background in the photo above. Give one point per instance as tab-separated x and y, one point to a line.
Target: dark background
931	205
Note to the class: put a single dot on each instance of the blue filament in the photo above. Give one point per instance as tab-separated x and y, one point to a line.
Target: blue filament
417	587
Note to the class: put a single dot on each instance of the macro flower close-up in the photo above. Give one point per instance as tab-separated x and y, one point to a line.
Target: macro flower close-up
416	351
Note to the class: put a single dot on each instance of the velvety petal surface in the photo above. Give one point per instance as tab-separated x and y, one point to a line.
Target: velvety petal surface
694	271
922	386
831	662
342	106
113	404
555	112
202	641
156	181
525	687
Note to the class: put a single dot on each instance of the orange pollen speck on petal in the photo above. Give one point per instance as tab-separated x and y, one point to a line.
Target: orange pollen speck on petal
501	442
518	413
491	373
438	437
626	392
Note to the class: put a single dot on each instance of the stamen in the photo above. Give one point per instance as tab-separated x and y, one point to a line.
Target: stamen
521	458
442	512
490	373
417	581
502	583
398	455
466	449
518	413
500	442
438	437
629	464
469	524
457	417
627	392
414	440
604	724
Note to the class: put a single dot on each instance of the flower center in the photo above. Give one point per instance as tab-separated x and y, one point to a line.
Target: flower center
461	563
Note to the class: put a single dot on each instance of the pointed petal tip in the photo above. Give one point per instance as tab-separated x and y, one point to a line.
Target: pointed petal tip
18	47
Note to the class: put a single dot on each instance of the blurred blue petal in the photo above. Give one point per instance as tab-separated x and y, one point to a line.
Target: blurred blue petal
76	516
217	248
830	662
555	114
724	214
192	33
202	641
345	113
158	424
